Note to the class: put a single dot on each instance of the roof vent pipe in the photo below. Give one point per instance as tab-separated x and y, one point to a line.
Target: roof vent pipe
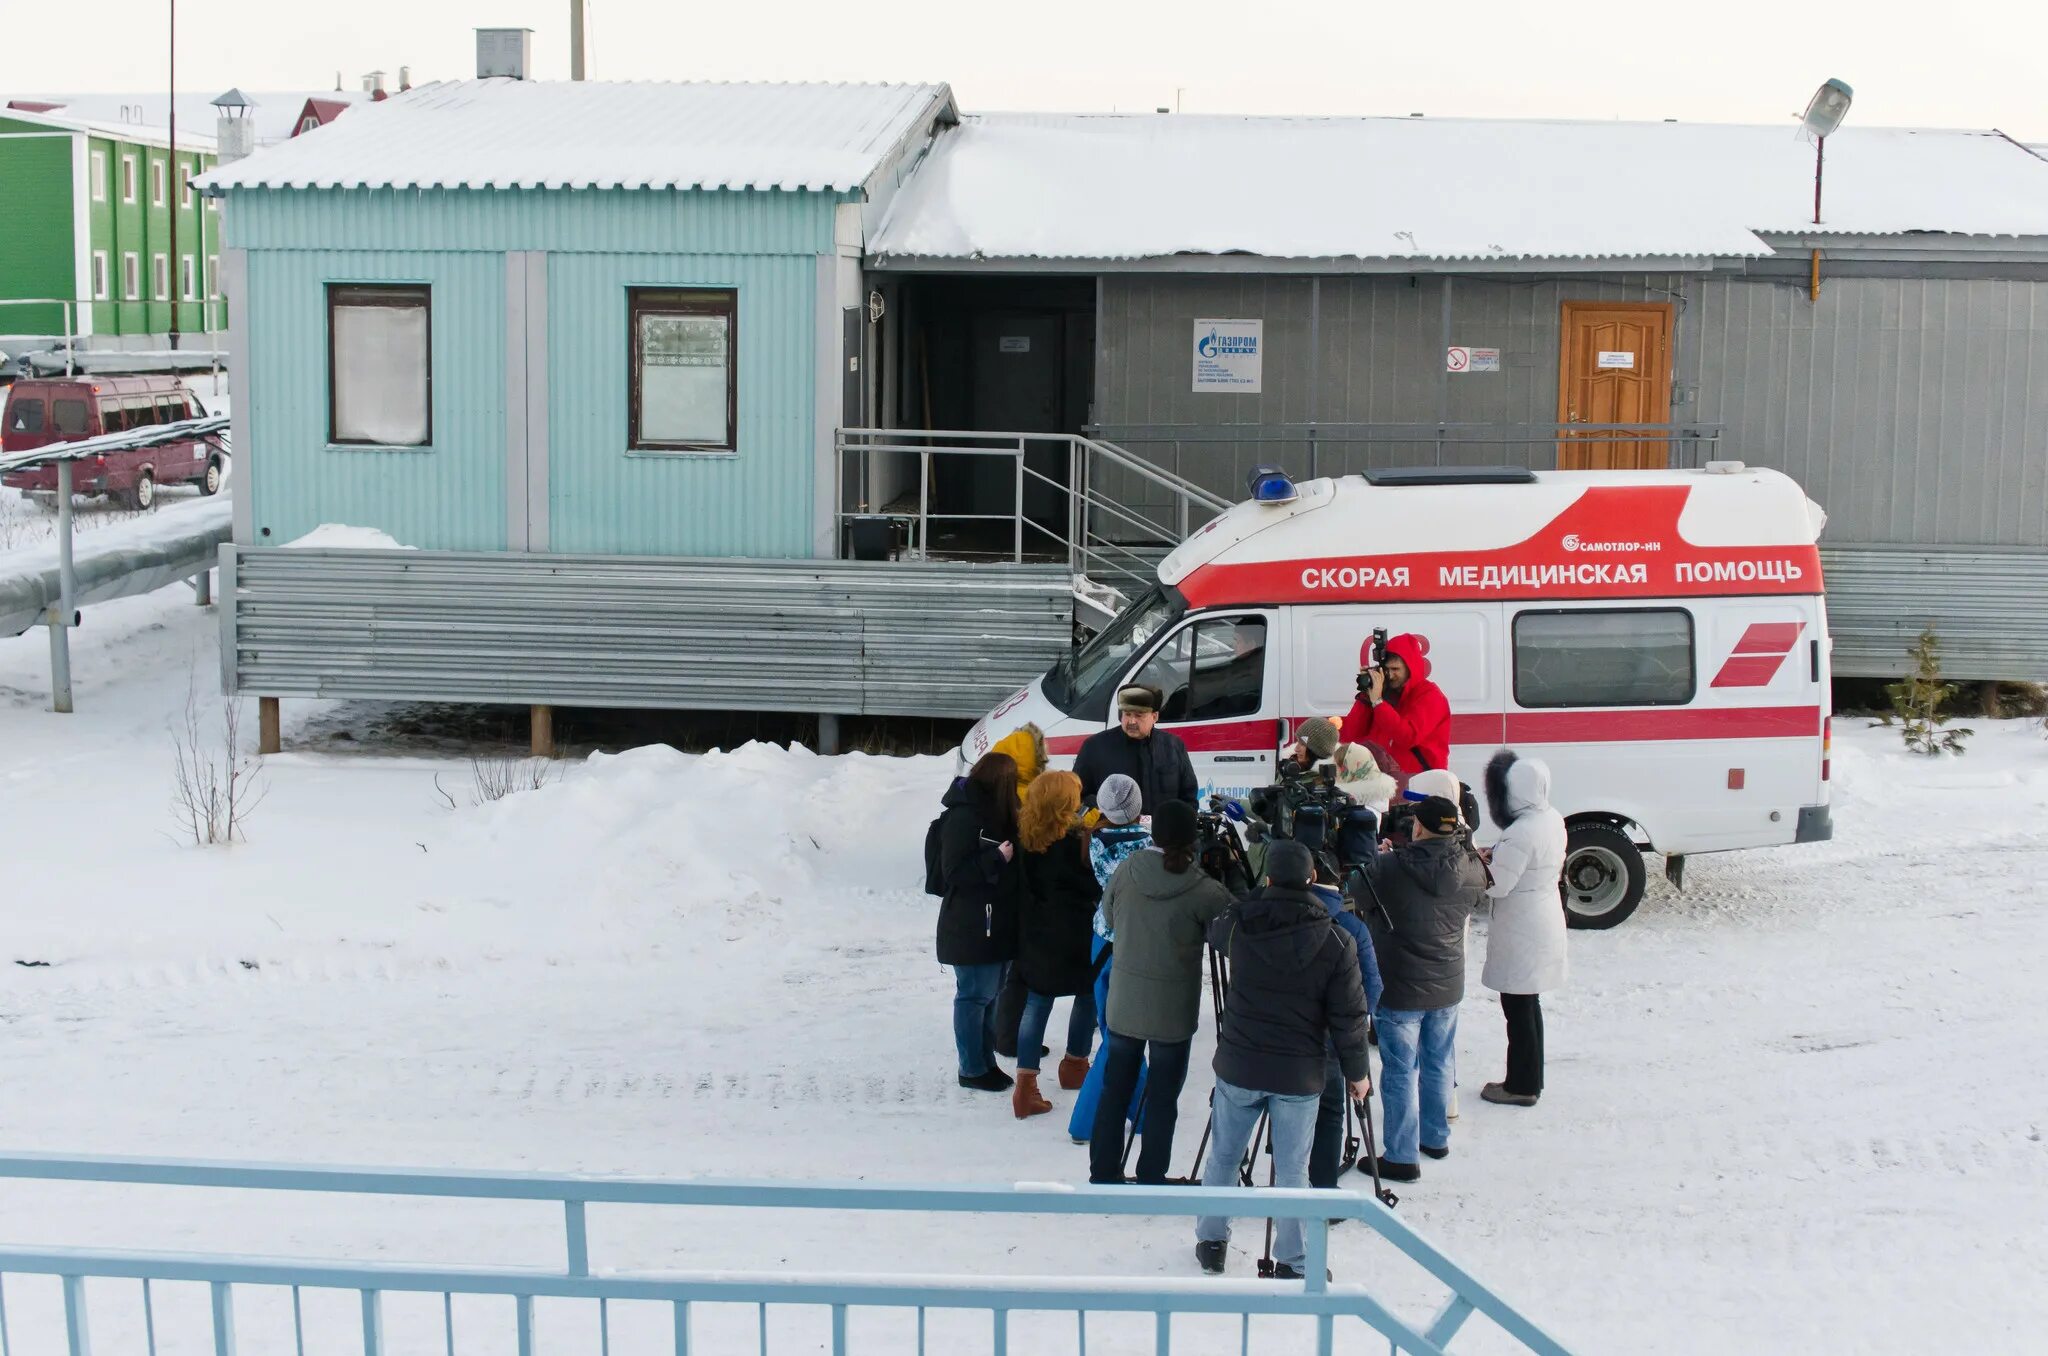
506	52
404	79
374	82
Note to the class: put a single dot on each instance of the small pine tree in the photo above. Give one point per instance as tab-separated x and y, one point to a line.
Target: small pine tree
1917	701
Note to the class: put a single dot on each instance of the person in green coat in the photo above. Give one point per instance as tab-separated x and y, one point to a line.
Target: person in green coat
1158	907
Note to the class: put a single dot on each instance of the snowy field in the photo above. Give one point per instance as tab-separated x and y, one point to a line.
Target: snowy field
1796	1108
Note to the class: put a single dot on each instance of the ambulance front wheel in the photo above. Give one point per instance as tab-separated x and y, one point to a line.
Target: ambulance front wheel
1603	876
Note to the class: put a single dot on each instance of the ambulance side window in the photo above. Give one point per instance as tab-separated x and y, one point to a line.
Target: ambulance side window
1212	670
1604	657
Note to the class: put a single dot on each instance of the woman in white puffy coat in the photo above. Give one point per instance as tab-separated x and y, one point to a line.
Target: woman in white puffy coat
1525	942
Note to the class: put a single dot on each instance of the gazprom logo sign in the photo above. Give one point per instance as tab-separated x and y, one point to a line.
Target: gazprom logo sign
1229	356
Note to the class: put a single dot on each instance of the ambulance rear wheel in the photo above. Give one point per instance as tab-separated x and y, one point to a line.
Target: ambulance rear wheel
1603	876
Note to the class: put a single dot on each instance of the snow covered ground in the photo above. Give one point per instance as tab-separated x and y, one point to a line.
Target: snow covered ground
1795	1108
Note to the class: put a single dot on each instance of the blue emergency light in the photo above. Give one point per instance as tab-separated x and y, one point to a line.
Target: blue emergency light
1270	485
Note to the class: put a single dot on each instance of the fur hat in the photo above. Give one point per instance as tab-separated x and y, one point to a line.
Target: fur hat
1137	698
1290	866
1437	814
1119	800
1319	737
1173	825
1361	776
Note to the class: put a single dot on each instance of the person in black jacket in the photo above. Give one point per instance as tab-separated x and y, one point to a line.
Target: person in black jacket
978	913
1416	899
1055	934
1295	992
1153	758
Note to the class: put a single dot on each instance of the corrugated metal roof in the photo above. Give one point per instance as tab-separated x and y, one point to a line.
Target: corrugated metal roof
588	134
1150	186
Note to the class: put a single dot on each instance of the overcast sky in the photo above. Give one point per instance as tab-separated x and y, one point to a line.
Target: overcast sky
1912	64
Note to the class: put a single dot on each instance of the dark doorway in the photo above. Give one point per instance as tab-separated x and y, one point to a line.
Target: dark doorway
1006	355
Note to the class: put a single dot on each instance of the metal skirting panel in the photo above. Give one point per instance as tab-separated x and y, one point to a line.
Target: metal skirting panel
1989	609
576	630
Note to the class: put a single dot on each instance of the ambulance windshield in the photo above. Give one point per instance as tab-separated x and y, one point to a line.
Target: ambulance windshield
1089	671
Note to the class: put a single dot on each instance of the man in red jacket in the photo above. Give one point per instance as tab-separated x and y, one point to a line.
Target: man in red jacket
1401	710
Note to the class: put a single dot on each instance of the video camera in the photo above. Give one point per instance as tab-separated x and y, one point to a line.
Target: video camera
1307	806
1220	848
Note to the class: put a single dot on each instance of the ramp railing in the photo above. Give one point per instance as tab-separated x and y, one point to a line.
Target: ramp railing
1110	514
950	1313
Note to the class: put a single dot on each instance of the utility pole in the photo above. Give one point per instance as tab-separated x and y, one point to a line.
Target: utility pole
576	37
173	191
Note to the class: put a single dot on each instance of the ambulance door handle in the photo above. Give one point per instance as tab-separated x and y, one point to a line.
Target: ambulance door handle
1813	658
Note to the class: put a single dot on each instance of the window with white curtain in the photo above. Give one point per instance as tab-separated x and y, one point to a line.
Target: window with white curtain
379	365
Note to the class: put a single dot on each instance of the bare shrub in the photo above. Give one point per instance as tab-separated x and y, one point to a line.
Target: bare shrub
496	778
217	786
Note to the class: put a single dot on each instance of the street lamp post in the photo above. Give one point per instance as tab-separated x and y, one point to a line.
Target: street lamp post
175	194
1824	113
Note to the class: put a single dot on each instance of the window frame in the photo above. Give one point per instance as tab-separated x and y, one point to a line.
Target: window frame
84	415
1191	627
683	300
397	294
212	276
131	275
188	277
1692	646
158	182
185	190
102	276
160	277
128	180
98	163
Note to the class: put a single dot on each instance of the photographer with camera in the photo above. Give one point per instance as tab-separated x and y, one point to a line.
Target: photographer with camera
1398	707
1158	907
1417	899
1295	992
1153	758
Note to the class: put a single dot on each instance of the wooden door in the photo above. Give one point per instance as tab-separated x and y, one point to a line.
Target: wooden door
1614	367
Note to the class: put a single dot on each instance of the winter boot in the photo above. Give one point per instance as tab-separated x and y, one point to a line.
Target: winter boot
995	1080
1498	1094
1211	1256
1435	1152
1400	1172
1024	1098
1073	1072
1282	1272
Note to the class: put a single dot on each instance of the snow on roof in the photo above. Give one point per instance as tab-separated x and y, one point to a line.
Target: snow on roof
588	134
275	112
66	119
1147	186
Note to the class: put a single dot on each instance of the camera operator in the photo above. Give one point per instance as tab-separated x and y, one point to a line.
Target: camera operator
1417	899
1153	758
1398	707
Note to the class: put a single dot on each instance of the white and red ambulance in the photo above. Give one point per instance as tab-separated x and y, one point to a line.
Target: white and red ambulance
1658	637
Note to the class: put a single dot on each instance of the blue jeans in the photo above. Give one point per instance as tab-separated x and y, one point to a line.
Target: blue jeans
1038	1011
1416	1047
974	1016
1233	1117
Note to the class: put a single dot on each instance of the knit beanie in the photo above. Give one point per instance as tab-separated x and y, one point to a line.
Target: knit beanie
1290	866
1119	800
1319	737
1173	825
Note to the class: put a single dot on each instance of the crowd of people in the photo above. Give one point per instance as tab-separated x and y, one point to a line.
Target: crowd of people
1088	885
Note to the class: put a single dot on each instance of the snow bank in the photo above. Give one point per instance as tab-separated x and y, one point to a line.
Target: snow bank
340	537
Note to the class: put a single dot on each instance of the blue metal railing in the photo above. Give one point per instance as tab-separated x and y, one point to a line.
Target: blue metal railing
1327	1305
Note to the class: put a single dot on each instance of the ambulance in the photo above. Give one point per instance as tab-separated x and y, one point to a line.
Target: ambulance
1658	637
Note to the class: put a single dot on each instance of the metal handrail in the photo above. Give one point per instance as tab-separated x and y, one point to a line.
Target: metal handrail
1316	1298
1085	542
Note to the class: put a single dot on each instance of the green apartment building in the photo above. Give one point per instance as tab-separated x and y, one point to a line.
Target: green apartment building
85	215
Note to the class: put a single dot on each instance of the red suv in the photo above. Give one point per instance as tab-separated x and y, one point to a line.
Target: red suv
41	411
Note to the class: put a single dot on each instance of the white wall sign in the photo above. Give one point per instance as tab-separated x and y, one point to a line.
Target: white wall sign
1229	355
1014	343
1614	359
1459	358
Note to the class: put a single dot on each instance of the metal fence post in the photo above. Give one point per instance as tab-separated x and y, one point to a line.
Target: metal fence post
1018	547
924	504
579	1238
223	1319
76	1338
59	615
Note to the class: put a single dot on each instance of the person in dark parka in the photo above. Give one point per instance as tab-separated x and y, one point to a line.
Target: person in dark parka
977	932
1155	759
1055	929
1417	899
1295	992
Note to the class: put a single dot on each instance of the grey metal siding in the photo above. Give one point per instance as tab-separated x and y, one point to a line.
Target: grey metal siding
602	630
1989	608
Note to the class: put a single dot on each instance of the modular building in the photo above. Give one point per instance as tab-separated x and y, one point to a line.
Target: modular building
650	378
1338	294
